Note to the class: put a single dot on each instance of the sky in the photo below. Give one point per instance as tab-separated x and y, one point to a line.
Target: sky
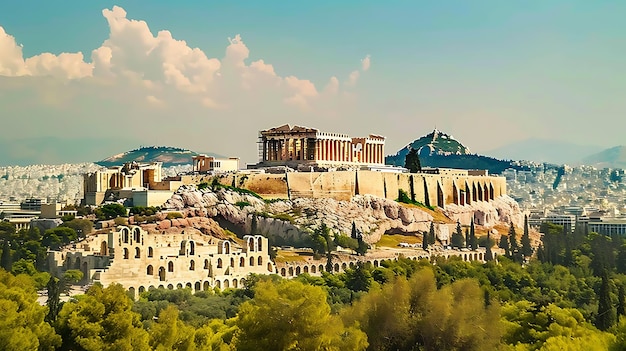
208	75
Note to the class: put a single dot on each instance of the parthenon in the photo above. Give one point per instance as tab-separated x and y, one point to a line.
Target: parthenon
308	146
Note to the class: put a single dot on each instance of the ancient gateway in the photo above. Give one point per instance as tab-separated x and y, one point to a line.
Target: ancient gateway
139	260
301	146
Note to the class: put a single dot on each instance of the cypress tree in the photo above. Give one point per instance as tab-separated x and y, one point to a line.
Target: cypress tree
606	314
6	260
504	244
513	238
621	302
527	250
412	161
473	239
54	303
431	234
468	241
457	238
425	241
488	253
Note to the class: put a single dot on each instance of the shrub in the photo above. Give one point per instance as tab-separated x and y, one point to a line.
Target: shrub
242	204
174	215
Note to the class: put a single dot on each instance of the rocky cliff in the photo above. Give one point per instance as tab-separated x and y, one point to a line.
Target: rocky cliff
289	222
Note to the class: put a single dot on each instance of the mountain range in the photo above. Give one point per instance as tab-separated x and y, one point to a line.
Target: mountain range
169	156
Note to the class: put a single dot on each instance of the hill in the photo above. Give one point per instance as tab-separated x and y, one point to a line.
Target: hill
542	150
170	156
439	149
614	157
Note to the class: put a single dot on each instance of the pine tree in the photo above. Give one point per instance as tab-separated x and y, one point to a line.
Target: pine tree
54	303
6	260
468	243
354	234
431	234
527	249
488	253
513	238
606	313
425	241
412	161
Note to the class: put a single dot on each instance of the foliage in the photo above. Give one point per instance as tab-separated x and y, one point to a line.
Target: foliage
412	161
110	211
456	241
174	215
242	204
83	227
293	316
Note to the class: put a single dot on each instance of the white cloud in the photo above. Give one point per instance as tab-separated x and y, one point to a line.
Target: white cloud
365	63
135	76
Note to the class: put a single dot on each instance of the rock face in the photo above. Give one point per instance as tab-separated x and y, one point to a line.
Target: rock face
501	209
292	221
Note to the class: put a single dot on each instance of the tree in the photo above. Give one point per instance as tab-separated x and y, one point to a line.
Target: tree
457	237
425	241
170	333
621	302
7	258
290	315
473	239
468	240
431	233
488	253
527	250
513	238
83	227
102	320
109	211
359	278
412	161
54	299
606	313
504	244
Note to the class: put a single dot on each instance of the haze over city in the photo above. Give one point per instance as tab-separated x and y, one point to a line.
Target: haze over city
102	77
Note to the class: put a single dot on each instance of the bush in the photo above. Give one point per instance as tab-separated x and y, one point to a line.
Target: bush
242	204
174	215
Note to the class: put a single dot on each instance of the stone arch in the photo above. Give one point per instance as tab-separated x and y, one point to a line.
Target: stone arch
313	269
170	266
375	263
192	247
474	192
242	282
426	194
219	263
480	256
232	262
291	271
150	251
351	265
125	235
475	256
126	254
183	248
242	262
321	268
235	283
468	193
206	263
344	266
226	247
283	272
179	286
162	273
218	284
137	234
298	270
305	269
206	285
188	285
142	289
131	292
150	270
197	286
465	257
137	252
104	248
250	244
491	195
485	193
259	243
455	194
226	284
161	286
336	267
259	261
192	265
481	193
251	261
170	286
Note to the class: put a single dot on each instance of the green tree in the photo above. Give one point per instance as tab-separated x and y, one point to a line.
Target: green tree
22	325
473	239
621	302
113	210
425	241
7	257
102	320
527	250
412	161
290	315
359	278
456	240
504	244
605	317
488	253
59	236
431	233
54	299
170	333
83	227
513	238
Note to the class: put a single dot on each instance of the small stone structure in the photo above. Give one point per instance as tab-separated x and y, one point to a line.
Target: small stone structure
139	260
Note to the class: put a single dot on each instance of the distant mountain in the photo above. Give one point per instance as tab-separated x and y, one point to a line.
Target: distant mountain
439	149
57	150
541	150
170	156
614	157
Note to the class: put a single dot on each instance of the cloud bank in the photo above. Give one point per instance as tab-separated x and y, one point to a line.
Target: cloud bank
158	89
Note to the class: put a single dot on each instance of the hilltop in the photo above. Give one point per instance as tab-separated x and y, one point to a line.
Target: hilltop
614	157
438	149
170	156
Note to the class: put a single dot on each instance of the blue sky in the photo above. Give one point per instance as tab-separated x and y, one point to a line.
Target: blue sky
487	72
